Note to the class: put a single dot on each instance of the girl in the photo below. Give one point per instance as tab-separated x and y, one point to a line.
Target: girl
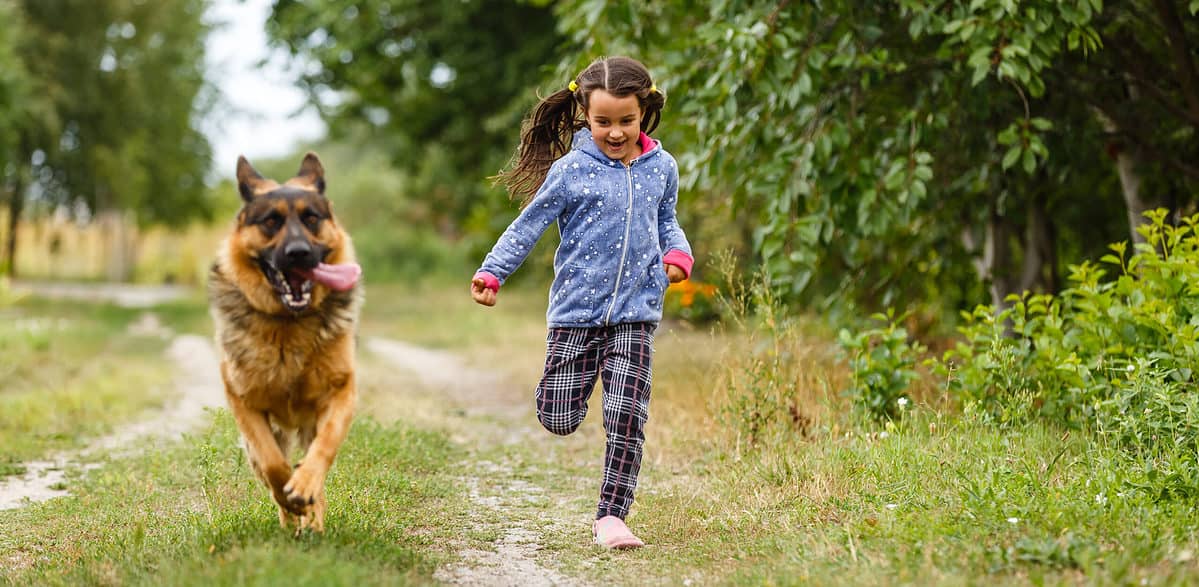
612	190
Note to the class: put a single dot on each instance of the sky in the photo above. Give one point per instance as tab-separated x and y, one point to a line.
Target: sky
258	116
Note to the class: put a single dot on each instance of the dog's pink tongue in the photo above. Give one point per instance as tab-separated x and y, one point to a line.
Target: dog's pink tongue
339	277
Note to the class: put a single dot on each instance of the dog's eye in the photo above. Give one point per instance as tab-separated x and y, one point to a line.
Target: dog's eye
272	223
312	220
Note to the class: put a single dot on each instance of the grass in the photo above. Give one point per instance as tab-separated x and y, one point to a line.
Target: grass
193	515
72	372
816	498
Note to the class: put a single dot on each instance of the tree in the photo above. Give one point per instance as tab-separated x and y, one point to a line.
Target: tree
15	92
108	122
443	84
127	80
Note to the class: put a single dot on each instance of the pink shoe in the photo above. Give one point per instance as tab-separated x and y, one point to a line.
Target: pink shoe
611	532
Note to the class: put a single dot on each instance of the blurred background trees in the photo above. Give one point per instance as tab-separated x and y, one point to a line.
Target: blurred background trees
106	123
863	154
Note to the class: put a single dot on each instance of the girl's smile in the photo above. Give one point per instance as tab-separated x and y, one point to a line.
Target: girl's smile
615	124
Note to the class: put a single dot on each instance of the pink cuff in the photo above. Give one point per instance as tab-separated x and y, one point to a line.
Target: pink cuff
679	259
490	281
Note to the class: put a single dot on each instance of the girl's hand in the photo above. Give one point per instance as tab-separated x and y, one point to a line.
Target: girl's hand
674	273
481	293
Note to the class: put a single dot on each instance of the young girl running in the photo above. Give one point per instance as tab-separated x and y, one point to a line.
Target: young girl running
587	164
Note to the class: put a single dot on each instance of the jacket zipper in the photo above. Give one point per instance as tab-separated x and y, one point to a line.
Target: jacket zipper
624	245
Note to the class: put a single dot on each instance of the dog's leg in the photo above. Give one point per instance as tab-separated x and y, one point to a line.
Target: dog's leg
333	423
264	452
318	512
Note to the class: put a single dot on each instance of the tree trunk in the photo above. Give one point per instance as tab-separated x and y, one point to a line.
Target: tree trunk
998	257
16	203
1126	155
1130	185
1040	257
119	236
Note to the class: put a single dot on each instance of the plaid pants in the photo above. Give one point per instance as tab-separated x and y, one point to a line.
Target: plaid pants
622	354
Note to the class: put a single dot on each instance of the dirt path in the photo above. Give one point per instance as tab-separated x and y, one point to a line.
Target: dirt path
122	294
505	504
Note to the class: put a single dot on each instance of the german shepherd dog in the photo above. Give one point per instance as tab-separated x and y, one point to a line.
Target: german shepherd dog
284	296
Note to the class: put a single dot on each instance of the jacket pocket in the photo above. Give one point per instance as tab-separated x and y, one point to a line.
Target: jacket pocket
578	293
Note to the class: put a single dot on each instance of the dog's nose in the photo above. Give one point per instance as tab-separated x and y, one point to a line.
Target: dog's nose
298	252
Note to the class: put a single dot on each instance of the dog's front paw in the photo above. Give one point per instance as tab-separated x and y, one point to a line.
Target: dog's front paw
304	487
292	508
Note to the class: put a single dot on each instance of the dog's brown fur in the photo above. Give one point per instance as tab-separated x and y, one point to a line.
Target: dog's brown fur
288	374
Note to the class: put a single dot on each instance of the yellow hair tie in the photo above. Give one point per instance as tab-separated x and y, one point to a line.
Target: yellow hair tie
573	86
654	88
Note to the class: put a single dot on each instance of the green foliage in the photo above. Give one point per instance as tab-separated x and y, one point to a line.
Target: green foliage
1117	354
851	142
125	82
882	362
443	85
15	89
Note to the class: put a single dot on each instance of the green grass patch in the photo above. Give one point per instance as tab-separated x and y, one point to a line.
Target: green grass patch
192	514
442	314
71	372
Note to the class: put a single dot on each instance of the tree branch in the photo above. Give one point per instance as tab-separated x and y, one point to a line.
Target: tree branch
1181	54
1130	129
1159	95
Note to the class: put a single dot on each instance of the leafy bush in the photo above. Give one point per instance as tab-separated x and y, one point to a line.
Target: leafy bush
883	363
1117	354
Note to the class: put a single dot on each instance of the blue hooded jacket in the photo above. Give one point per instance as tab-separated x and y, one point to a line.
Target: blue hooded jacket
616	223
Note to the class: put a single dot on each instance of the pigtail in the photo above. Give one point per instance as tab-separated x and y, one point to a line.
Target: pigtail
545	137
652	102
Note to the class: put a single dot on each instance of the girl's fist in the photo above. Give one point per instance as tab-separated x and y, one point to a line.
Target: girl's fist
481	293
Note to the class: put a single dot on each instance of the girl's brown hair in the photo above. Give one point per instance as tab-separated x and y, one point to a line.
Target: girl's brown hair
546	133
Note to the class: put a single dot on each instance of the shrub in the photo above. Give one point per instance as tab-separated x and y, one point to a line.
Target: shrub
882	363
1068	358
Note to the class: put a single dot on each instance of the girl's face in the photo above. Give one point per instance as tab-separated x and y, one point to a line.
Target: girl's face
615	124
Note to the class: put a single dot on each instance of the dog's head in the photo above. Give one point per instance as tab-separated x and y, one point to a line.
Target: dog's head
289	234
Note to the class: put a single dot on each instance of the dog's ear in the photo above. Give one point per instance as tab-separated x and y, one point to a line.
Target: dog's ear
312	172
248	179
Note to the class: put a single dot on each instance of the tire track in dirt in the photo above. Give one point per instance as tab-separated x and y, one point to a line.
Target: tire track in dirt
494	490
196	387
